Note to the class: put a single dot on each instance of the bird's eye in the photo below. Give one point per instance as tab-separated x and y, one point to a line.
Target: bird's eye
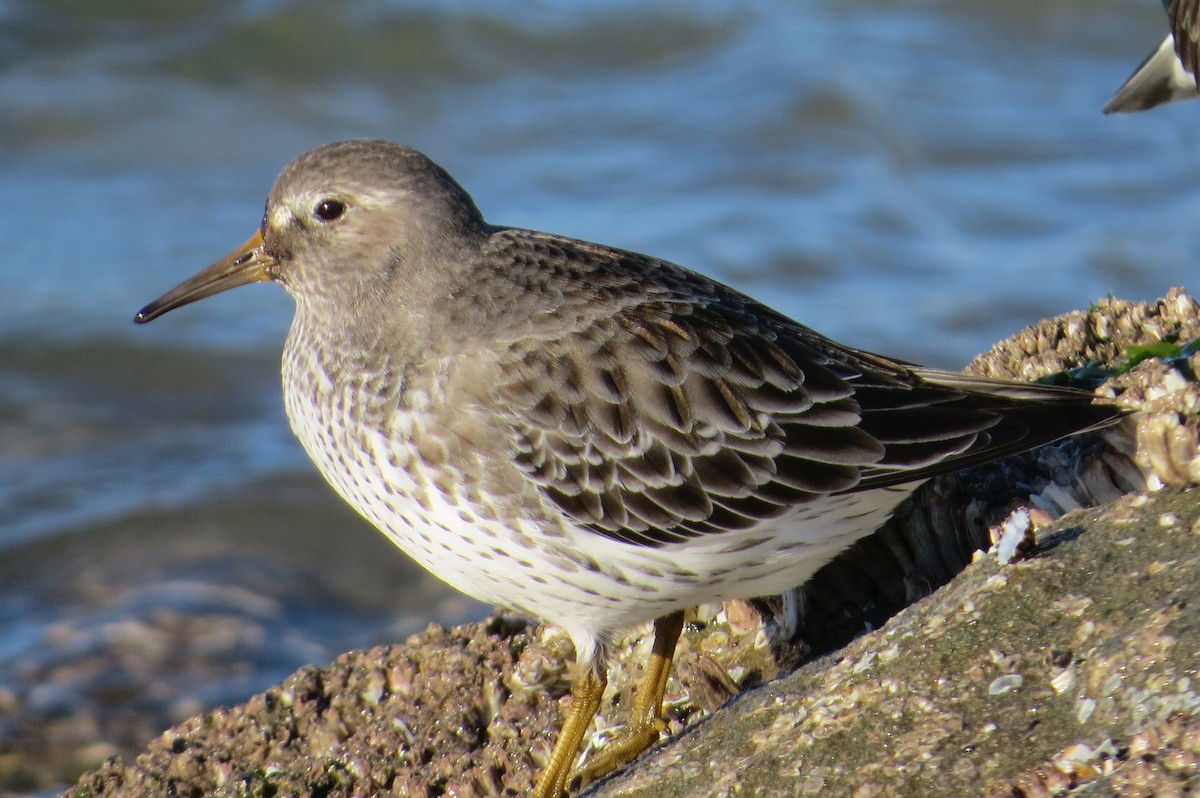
329	209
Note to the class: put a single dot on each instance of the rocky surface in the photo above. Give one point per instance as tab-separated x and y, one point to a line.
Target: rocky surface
166	613
1076	666
1073	668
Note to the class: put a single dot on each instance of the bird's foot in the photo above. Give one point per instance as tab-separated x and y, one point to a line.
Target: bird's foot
636	738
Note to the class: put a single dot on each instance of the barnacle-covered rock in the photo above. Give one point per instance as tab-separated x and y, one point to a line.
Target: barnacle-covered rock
1136	354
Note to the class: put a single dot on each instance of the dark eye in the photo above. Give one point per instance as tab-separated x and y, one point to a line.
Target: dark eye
330	209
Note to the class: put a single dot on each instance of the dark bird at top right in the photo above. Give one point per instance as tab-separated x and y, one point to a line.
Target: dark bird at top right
1169	72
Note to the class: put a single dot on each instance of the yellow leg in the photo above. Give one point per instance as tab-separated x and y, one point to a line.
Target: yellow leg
646	722
586	692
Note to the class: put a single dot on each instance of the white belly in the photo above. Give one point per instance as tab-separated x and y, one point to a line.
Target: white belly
538	562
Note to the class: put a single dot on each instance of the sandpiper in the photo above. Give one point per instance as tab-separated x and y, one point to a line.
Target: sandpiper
584	434
1169	73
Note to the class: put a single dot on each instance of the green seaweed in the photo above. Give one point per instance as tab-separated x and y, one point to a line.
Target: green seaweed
1093	373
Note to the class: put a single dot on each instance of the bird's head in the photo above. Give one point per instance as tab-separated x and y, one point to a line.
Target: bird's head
349	224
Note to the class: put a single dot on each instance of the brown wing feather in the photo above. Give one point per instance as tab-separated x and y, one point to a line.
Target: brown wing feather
675	407
1185	27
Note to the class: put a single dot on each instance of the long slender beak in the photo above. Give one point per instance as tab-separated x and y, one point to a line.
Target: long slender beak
249	263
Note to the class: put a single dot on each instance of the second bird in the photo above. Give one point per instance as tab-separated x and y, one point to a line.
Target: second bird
1169	72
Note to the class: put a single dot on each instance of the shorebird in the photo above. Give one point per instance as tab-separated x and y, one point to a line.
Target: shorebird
583	434
1169	72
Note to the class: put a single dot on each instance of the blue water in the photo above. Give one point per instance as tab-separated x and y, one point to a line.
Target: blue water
920	178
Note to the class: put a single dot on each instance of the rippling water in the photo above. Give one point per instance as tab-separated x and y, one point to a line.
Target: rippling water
921	178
